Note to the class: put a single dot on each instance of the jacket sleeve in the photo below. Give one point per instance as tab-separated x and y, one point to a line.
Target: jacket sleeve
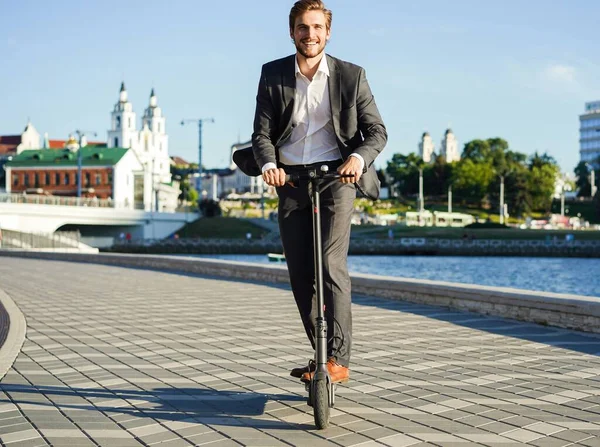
264	125
370	123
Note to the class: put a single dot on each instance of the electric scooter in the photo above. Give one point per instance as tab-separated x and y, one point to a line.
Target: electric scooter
321	391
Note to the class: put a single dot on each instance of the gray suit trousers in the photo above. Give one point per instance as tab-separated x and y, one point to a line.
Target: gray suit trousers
295	223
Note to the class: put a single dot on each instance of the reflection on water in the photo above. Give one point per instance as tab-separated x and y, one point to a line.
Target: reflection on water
578	276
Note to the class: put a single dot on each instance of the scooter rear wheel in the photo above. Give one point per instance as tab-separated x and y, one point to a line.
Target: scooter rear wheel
320	403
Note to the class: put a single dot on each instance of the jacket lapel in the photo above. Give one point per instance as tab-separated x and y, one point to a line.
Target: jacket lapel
288	83
335	93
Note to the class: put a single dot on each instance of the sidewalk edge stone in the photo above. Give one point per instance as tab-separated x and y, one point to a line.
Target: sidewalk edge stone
11	347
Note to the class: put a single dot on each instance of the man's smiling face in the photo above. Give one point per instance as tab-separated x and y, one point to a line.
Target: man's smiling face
310	33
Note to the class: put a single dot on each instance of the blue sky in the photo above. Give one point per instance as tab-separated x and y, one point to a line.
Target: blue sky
521	70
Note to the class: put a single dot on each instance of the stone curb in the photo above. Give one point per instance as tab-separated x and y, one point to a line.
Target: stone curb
16	334
551	309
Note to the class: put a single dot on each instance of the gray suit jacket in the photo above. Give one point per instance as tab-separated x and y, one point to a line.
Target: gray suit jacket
356	121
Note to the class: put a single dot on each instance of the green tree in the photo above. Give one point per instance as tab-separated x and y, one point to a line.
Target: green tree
192	195
512	167
543	171
436	177
471	180
583	171
404	172
582	183
517	195
187	193
477	151
499	155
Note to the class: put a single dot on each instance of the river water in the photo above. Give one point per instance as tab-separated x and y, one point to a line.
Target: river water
579	276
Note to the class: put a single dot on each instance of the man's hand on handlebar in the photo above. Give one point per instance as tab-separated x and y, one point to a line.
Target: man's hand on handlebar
274	177
351	166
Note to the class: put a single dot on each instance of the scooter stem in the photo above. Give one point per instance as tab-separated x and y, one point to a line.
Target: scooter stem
321	323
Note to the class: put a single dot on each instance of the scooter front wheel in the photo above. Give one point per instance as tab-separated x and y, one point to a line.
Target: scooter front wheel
320	401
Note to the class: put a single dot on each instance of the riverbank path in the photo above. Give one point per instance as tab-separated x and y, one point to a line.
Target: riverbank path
121	357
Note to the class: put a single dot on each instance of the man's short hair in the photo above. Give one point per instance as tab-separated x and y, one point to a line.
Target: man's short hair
302	6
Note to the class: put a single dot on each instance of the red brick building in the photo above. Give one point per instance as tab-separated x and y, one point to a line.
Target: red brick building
54	172
96	182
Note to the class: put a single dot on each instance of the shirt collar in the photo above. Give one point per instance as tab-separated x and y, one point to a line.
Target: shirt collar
323	66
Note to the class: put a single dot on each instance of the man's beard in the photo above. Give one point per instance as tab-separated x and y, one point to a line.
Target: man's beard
304	53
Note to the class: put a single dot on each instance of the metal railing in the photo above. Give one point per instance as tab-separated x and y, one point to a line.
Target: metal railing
94	202
36	199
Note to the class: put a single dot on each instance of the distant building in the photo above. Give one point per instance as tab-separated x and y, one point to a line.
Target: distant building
150	144
13	145
437	219
132	165
589	134
180	162
222	182
426	147
106	173
449	147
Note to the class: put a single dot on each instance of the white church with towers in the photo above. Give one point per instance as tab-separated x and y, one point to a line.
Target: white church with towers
140	177
151	146
448	148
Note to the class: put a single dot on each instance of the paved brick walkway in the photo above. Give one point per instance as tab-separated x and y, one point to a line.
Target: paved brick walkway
121	357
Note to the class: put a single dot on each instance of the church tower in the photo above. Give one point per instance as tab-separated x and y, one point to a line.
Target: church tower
152	184
426	147
449	147
123	132
154	143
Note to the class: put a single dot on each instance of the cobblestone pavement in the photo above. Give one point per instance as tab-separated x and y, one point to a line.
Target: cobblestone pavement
122	357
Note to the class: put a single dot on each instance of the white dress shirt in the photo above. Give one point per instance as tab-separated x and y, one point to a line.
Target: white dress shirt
313	138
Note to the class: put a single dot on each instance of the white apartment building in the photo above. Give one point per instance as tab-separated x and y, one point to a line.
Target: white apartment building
589	134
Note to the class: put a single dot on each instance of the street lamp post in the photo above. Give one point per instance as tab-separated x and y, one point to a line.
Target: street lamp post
199	122
450	198
421	200
80	135
592	179
501	199
154	197
262	198
565	187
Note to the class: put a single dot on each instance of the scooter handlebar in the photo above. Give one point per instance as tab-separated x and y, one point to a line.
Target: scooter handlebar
292	178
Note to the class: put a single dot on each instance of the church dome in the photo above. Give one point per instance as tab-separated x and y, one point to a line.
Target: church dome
122	93
71	144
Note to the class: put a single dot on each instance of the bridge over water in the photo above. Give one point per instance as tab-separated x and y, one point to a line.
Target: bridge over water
98	220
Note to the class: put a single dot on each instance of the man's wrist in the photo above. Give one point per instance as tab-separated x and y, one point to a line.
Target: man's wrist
268	166
359	157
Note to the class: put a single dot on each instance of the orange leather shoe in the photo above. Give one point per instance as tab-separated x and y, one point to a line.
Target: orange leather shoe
337	373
